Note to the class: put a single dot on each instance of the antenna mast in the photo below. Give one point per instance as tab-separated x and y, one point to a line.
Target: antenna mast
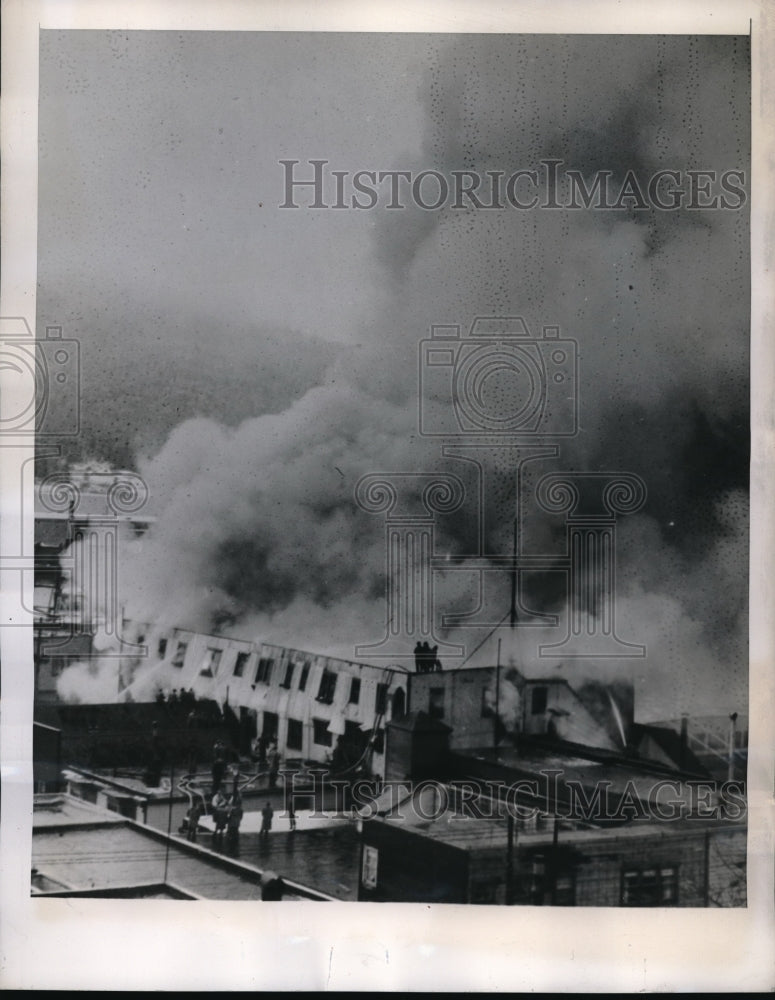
514	576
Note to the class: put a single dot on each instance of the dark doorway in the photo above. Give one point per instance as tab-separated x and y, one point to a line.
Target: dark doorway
248	723
269	732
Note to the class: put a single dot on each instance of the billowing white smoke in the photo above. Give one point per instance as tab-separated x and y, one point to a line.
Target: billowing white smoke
506	701
257	518
93	681
662	603
257	530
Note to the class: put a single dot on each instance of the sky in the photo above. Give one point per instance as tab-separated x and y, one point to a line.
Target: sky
253	362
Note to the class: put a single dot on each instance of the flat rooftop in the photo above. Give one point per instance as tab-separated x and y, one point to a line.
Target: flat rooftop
532	762
121	854
79	846
64	810
324	859
473	833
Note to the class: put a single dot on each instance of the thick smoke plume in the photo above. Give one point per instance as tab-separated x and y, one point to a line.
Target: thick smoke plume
94	680
257	530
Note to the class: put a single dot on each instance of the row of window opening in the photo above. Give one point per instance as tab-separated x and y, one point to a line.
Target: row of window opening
265	668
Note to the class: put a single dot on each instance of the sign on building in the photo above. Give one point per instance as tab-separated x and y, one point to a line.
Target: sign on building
369	867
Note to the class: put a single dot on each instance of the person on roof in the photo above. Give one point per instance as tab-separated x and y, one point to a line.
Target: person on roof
267	813
220	812
233	820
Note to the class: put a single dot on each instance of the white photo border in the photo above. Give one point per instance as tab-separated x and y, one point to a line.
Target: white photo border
100	944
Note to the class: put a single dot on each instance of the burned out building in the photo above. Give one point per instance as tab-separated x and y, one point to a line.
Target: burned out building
312	706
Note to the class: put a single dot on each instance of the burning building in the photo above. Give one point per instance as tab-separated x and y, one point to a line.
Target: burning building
312	706
484	704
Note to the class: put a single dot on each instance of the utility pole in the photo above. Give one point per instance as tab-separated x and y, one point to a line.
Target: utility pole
509	857
514	578
731	747
169	821
555	838
359	894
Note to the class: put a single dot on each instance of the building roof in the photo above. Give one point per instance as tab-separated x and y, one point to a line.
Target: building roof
108	855
79	847
671	744
323	859
719	722
151	890
264	647
554	769
451	826
56	810
419	722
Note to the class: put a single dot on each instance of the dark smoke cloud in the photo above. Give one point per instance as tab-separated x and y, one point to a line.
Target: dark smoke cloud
258	531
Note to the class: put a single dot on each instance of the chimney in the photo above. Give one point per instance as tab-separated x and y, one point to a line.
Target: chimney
684	741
